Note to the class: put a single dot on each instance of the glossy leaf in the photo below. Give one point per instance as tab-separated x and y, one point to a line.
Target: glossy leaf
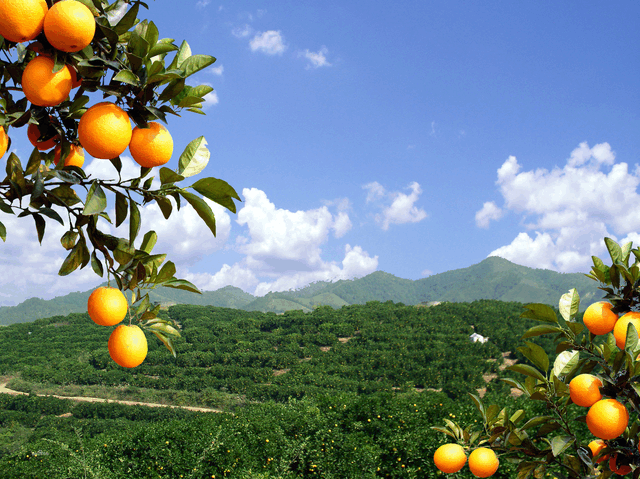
565	362
202	208
527	370
96	200
217	190
194	158
540	312
569	304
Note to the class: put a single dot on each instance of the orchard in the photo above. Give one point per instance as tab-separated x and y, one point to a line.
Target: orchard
596	372
89	78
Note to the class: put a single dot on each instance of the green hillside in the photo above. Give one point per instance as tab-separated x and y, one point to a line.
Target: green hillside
493	278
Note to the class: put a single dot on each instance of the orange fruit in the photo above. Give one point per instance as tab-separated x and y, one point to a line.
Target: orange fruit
450	458
607	419
483	462
69	26
22	20
128	346
33	133
584	390
74	158
619	470
151	146
596	446
41	86
104	130
599	319
620	329
107	306
4	142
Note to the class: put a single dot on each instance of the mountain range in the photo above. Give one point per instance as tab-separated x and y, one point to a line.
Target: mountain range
492	278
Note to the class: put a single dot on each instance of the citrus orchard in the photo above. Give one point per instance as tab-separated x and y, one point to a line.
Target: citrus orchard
599	319
69	26
107	306
450	458
22	20
128	346
584	390
151	146
105	130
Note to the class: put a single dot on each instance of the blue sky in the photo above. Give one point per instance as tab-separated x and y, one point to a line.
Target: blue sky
414	139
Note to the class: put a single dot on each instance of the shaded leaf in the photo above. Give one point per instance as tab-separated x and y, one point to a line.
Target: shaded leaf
202	208
217	190
527	370
540	312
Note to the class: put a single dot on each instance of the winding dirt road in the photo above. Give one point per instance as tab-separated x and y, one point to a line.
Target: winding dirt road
5	390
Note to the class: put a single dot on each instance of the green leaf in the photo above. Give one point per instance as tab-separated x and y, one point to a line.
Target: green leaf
165	206
202	208
184	52
195	63
169	176
3	232
172	89
149	241
217	190
34	163
128	20
540	330
166	273
569	304
565	362
614	250
181	284
165	328
96	264
194	158
540	312
161	49
127	76
527	370
536	355
166	341
72	261
536	421
632	338
134	221
69	239
66	195
479	405
560	443
121	208
444	431
40	226
53	214
96	200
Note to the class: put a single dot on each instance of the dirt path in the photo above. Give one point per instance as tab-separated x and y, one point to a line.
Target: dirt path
5	390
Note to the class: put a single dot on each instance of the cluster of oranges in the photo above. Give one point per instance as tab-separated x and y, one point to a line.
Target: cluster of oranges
127	344
105	129
450	458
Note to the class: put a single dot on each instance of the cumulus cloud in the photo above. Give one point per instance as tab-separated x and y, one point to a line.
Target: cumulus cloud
270	42
316	59
217	70
283	249
242	31
569	210
490	211
397	208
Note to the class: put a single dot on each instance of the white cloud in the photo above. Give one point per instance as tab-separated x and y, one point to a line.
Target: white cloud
202	3
242	31
402	208
426	272
217	70
490	211
270	42
571	209
316	59
283	249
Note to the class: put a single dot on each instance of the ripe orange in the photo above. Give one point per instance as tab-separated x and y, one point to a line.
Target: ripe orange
584	390
107	306
151	146
4	142
33	133
620	329
104	130
596	446
599	319
450	458
483	462
607	419
128	346
69	26
620	470
22	20
41	86
74	158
